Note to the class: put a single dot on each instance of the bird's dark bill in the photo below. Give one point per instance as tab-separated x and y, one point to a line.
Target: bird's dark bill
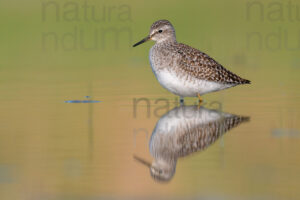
142	41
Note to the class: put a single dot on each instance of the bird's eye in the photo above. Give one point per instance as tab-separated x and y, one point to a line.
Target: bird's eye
159	31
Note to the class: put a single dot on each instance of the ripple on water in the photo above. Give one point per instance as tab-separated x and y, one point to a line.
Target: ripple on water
83	101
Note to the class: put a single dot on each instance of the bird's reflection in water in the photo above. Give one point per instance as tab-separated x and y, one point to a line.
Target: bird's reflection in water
182	131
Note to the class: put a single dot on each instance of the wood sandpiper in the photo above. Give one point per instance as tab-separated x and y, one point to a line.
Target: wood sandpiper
183	70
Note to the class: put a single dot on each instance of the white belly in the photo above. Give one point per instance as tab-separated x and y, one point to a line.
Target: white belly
185	86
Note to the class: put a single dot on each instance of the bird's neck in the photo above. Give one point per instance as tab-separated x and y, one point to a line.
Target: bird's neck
170	40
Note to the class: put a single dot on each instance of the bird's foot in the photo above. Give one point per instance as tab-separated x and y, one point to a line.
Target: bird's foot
200	100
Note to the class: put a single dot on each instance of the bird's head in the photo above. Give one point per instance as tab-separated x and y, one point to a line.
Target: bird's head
160	31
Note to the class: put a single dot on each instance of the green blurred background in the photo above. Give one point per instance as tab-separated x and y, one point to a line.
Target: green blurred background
55	50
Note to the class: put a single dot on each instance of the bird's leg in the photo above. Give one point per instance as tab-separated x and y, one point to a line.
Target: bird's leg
200	101
200	98
181	101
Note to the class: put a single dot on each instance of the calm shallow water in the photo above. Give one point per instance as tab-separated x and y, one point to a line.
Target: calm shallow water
55	144
56	150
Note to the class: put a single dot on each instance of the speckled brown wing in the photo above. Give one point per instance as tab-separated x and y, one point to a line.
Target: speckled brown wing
203	67
201	136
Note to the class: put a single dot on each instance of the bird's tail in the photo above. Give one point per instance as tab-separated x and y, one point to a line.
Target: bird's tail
245	81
